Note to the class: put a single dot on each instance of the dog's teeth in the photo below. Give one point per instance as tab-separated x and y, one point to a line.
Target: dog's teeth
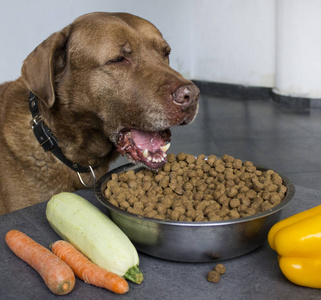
145	153
149	158
165	147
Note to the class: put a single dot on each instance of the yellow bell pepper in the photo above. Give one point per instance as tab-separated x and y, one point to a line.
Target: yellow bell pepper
297	240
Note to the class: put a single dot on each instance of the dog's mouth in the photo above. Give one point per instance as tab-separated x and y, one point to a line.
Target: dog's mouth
144	147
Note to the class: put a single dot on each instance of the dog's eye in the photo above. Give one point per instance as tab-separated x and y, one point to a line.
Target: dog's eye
167	53
119	59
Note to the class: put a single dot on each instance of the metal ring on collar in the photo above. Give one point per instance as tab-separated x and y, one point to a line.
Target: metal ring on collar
94	178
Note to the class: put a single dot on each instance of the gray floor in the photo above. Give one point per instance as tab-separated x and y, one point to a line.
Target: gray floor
287	140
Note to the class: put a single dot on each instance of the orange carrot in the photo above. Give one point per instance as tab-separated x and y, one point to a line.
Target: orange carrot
88	271
57	275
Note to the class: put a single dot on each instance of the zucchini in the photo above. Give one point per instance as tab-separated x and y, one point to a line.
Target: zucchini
82	224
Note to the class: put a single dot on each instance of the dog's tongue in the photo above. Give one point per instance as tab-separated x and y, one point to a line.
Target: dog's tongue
146	140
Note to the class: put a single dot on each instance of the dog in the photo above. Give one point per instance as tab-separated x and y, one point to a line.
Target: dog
100	87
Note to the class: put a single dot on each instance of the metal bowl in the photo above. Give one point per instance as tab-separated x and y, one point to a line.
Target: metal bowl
193	241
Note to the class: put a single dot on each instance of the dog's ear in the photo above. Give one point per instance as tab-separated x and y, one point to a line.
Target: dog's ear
42	66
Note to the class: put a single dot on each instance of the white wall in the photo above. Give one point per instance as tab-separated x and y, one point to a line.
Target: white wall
268	43
298	61
25	24
234	41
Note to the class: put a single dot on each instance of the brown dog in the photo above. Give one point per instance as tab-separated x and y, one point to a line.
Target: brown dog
100	86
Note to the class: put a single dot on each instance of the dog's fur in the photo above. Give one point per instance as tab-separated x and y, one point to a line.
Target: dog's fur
102	73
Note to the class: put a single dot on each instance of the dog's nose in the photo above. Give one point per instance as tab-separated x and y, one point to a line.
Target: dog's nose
186	95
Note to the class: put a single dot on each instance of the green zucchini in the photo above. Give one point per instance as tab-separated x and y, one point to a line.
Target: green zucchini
82	224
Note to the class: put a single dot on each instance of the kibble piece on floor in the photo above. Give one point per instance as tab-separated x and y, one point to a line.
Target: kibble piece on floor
213	276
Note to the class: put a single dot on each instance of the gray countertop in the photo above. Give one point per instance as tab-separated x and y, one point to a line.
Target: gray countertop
255	275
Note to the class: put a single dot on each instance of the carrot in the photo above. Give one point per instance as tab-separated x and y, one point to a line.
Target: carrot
57	275
88	271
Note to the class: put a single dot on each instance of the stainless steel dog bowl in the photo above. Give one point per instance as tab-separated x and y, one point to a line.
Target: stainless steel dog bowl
193	241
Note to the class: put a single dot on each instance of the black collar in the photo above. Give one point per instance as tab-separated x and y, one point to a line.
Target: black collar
48	141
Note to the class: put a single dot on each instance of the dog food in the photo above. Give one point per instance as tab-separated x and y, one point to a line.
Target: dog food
198	189
215	274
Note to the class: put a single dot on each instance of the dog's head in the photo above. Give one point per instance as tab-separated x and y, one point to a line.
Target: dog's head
107	77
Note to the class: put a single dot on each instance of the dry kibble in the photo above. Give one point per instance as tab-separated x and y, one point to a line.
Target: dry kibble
213	276
275	198
167	167
223	212
183	165
212	173
282	189
250	194
237	164
211	159
250	169
164	182
266	195
257	186
188	186
235	203
211	208
251	211
190	159
266	205
213	217
124	204
151	214
206	168
123	177
276	179
231	192
199	218
113	201
175	166
245	201
271	187
197	189
114	177
202	205
107	193
200	162
202	187
233	214
158	177
177	212
171	157
229	183
191	214
138	205
181	156
220	269
219	168
201	157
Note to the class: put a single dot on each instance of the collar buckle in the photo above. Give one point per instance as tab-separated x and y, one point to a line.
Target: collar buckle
42	133
36	120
